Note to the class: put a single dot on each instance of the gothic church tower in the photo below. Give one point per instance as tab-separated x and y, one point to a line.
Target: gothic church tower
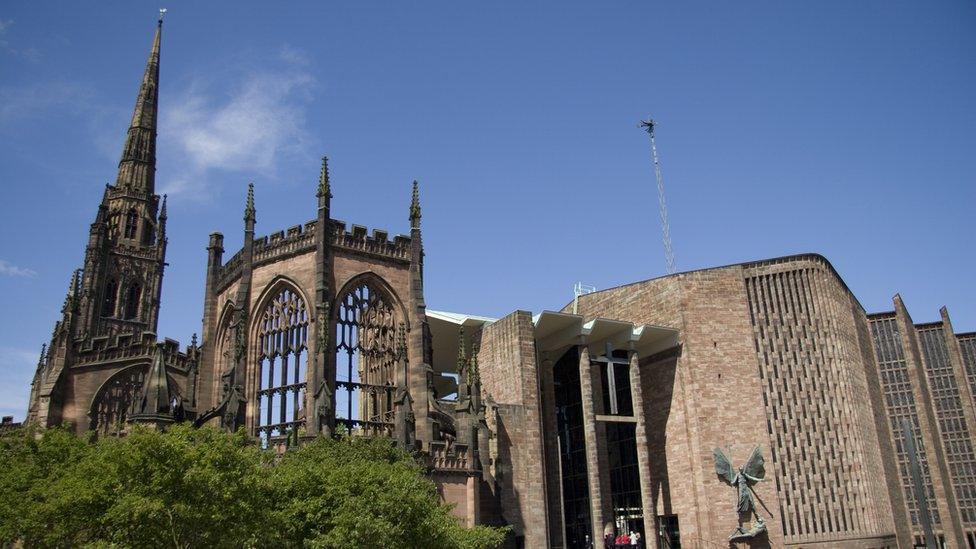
125	257
112	306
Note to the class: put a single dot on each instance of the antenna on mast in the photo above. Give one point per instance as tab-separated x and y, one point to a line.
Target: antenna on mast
662	205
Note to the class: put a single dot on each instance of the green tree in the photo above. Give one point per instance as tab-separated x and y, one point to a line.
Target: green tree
205	488
184	488
363	492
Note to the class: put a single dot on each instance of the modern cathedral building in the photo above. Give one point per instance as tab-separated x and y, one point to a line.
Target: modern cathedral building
608	416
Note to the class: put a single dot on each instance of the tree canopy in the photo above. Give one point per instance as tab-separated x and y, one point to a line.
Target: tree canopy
205	488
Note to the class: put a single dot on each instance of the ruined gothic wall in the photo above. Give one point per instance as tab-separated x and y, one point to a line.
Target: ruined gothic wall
509	374
291	260
94	369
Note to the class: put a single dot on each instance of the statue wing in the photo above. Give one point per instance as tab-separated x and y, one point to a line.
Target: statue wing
755	468
723	467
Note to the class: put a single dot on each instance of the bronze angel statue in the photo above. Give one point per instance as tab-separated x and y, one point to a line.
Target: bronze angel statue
753	471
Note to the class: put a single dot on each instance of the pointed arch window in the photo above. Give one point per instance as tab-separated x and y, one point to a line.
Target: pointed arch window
131	223
110	297
282	359
132	297
365	360
110	407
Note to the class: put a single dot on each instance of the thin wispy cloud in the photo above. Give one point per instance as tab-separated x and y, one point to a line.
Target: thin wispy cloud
29	53
251	129
9	269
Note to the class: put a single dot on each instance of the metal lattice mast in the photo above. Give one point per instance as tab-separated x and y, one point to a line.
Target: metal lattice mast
662	205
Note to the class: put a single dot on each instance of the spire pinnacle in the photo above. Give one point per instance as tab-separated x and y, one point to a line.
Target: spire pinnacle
137	167
415	206
161	227
155	397
474	378
70	299
462	358
325	188
249	211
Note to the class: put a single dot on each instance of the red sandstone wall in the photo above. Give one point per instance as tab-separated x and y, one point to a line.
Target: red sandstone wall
712	395
509	374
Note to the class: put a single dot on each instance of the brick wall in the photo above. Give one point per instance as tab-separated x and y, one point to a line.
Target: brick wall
509	374
723	391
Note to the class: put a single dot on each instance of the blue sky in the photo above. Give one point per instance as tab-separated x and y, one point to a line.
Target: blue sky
844	128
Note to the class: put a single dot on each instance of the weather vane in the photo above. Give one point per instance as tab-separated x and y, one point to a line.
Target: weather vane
162	12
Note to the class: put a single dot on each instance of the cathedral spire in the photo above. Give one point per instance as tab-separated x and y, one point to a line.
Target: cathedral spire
137	168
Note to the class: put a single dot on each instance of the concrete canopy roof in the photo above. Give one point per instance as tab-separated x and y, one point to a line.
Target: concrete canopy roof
444	330
555	332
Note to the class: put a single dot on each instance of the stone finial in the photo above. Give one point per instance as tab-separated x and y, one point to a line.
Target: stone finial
415	206
249	211
325	187
41	359
193	340
462	359
474	377
162	208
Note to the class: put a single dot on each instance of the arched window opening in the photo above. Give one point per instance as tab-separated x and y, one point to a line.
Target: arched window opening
131	224
365	361
132	302
148	234
108	300
111	405
282	357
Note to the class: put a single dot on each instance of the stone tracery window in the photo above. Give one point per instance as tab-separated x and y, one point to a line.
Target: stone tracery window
110	407
282	358
365	360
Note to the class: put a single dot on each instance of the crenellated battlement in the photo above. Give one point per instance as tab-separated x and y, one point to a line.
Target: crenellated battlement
300	239
130	346
356	239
